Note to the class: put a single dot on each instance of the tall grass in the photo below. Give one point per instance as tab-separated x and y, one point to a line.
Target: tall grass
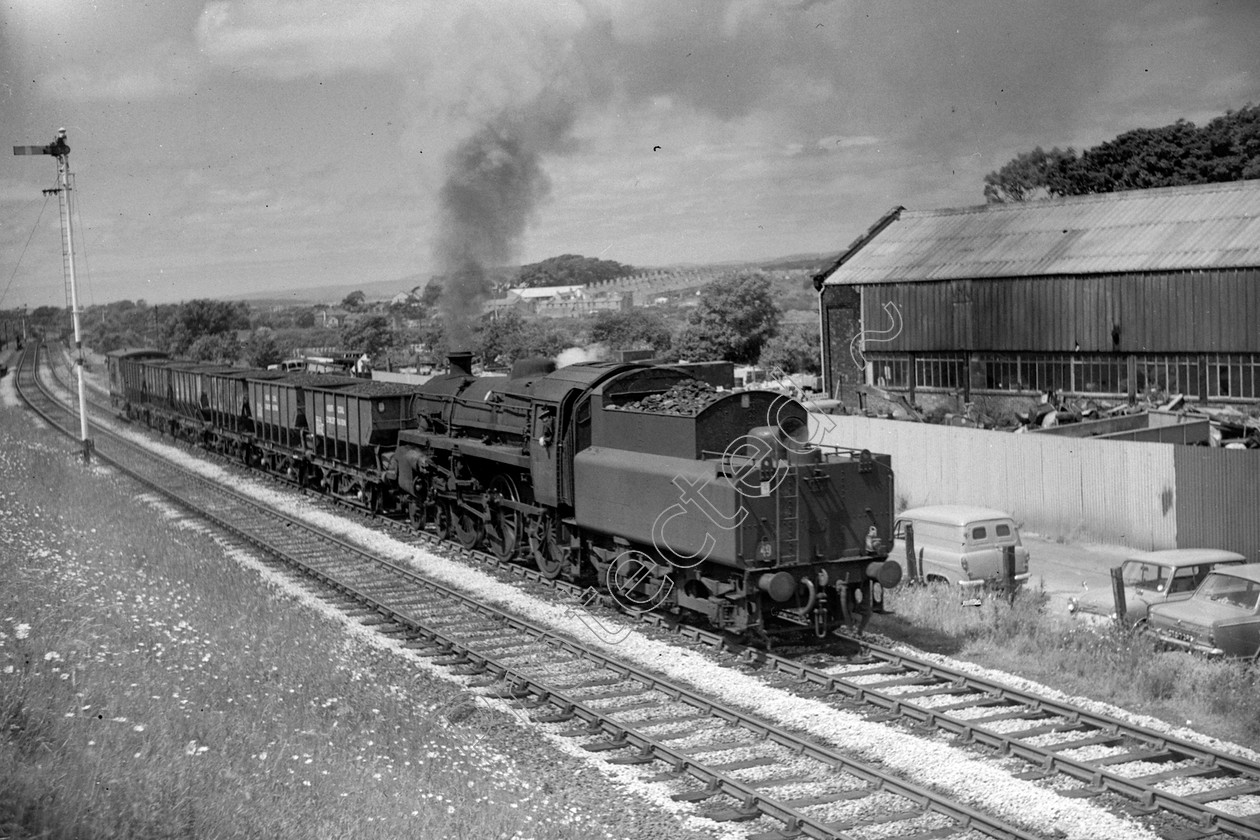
150	687
1097	660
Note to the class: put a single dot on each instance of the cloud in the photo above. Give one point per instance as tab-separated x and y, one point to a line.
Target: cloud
287	39
164	69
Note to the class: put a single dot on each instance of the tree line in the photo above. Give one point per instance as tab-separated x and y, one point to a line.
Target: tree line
735	318
1227	148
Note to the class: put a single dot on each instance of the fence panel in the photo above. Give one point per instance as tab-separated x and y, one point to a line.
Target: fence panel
1217	495
1113	491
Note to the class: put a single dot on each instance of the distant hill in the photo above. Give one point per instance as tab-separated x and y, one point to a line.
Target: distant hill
379	290
385	289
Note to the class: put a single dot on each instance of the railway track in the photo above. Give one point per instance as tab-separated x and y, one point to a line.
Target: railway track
1187	790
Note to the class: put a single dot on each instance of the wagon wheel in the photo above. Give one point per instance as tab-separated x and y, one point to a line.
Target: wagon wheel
468	527
503	532
544	546
374	498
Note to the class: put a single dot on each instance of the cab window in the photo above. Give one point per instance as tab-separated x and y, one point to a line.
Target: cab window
979	533
1184	580
1002	530
1144	575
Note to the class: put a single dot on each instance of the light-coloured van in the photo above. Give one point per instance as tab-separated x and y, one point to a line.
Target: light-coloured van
960	544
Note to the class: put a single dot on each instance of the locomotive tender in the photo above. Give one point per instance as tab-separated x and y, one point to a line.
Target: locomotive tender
666	492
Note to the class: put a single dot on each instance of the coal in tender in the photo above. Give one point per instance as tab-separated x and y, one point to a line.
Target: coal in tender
684	398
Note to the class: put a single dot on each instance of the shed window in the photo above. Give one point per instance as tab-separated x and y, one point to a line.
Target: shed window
940	371
1167	375
1233	375
1100	374
890	370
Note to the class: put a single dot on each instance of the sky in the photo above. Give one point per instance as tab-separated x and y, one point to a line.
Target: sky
234	147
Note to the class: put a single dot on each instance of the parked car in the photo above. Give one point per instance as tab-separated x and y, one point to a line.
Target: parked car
1221	618
960	544
1155	577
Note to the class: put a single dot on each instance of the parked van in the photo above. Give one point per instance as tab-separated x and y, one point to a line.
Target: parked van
960	544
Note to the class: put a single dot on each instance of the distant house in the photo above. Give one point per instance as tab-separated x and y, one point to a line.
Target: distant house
402	299
541	293
540	300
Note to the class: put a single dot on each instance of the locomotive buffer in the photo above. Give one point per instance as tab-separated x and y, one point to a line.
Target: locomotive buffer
60	149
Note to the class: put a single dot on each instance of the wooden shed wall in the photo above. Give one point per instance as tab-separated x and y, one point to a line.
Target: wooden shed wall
1175	312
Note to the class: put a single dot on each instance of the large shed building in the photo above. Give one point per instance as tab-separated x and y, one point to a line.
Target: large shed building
1122	295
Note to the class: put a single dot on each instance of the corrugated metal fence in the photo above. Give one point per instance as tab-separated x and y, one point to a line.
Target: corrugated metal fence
1145	495
1218	498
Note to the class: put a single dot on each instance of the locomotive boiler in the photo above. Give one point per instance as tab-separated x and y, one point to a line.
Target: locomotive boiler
664	491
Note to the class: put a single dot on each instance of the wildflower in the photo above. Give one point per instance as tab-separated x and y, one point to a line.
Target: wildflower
191	748
138	727
52	656
450	809
22	631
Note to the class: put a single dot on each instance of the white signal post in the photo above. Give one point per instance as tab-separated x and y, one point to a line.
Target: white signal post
60	149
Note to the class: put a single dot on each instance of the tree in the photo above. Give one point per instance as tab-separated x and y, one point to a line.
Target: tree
1226	149
735	317
431	295
187	322
508	337
353	301
794	350
305	319
371	335
1028	174
215	347
630	329
261	350
570	270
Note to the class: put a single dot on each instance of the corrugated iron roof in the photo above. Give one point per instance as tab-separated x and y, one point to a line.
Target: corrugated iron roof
1199	227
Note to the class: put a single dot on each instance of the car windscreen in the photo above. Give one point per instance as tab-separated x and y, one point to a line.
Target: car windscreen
1141	575
1230	590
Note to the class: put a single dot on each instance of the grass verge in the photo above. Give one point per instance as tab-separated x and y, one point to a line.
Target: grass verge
1100	661
152	687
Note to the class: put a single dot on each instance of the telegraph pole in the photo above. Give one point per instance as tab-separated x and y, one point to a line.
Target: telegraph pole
60	149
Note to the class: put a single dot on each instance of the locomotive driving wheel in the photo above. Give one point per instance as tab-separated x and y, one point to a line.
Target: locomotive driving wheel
503	531
468	528
420	510
443	521
544	545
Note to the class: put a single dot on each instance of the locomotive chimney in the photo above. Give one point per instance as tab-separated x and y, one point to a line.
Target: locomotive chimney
461	362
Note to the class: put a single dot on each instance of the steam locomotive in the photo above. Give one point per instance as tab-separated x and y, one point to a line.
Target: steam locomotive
666	492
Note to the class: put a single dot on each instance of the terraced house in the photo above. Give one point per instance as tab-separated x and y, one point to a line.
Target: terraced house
1148	293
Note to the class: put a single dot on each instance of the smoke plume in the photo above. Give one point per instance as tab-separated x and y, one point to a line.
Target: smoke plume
494	184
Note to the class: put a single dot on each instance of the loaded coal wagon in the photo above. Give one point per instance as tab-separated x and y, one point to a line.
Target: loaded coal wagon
351	439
